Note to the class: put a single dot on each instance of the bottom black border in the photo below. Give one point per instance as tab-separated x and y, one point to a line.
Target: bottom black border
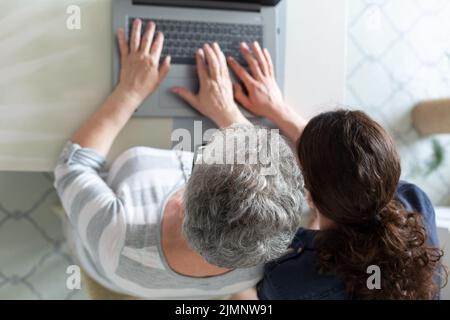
236	309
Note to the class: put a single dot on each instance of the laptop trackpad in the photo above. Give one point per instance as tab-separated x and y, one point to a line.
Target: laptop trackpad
169	100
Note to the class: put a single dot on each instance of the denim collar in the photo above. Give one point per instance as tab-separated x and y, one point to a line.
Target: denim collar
304	239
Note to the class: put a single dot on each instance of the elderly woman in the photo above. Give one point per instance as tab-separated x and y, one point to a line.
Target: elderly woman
151	227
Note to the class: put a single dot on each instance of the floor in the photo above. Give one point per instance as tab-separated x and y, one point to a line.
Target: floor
400	45
33	254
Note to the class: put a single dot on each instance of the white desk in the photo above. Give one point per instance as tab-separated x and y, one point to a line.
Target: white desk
52	78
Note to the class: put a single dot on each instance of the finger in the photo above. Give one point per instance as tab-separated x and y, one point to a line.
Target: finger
222	60
240	72
186	95
240	96
148	37
123	46
256	48
164	69
213	62
201	66
157	47
135	39
269	61
252	62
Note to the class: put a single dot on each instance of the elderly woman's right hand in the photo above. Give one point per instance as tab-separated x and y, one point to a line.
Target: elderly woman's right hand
215	98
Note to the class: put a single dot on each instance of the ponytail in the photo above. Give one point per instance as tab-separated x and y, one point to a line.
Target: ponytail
396	242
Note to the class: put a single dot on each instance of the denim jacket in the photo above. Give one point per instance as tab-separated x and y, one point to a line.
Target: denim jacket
295	275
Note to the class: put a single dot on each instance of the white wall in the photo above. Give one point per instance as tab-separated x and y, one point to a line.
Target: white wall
398	55
315	55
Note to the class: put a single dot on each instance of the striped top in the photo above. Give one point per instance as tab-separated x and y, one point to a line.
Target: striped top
113	223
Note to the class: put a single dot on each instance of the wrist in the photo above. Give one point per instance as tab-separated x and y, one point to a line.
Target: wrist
230	118
126	97
289	121
119	107
281	112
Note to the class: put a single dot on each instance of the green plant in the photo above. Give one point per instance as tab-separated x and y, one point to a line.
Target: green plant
437	158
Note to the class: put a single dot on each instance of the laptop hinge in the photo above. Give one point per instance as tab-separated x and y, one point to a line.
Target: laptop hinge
221	5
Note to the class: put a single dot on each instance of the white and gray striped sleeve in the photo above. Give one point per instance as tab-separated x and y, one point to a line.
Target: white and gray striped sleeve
94	210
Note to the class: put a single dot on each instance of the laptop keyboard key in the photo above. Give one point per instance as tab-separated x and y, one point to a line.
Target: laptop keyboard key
183	38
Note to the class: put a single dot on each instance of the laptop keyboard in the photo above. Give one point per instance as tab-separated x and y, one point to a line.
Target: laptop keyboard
184	38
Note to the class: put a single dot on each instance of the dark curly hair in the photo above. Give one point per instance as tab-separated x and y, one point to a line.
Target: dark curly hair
353	183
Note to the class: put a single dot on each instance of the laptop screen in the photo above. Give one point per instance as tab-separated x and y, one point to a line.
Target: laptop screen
193	2
264	2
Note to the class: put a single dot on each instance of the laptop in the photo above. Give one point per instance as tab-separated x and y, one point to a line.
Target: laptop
189	24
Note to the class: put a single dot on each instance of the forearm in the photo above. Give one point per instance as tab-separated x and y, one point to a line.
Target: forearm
290	123
102	128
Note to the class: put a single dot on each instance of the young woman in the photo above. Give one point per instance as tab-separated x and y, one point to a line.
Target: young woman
366	220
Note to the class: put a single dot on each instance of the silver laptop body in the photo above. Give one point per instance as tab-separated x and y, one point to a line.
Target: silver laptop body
227	22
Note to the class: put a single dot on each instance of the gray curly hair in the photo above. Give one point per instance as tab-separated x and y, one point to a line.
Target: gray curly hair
236	216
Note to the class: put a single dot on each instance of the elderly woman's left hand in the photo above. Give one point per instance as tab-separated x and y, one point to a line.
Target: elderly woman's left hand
215	98
141	72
